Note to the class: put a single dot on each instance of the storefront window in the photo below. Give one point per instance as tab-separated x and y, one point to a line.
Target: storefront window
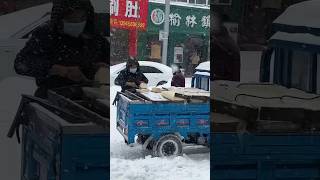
202	2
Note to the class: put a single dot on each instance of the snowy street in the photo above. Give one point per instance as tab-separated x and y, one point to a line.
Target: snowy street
131	163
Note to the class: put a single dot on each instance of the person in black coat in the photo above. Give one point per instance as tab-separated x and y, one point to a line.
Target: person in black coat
131	77
178	79
225	52
66	51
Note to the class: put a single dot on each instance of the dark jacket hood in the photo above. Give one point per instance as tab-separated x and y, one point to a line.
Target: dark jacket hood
132	62
61	6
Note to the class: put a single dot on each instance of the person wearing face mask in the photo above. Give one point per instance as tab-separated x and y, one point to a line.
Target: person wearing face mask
131	77
65	51
225	52
178	79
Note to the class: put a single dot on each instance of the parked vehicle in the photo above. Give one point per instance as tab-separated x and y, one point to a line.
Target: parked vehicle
63	138
201	77
163	127
156	73
270	129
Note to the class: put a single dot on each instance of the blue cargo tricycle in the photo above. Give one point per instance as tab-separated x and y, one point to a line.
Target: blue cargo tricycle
165	126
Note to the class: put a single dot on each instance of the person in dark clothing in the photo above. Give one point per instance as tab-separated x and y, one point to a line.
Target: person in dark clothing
65	51
131	77
225	52
178	79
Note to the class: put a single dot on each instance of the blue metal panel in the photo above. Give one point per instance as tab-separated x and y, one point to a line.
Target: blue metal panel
51	153
157	119
85	157
265	156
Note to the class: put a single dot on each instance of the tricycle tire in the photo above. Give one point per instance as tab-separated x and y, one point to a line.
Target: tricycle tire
168	145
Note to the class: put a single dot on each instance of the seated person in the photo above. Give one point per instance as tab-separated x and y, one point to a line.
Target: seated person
65	51
131	77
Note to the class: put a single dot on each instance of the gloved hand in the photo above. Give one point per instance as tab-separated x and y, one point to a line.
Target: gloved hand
75	74
58	70
70	72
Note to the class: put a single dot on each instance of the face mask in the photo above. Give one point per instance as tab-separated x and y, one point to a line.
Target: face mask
133	70
73	29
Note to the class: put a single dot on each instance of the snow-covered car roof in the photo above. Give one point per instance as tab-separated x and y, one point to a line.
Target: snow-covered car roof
205	66
301	14
159	66
16	21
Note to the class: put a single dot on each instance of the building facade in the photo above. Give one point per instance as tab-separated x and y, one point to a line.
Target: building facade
188	36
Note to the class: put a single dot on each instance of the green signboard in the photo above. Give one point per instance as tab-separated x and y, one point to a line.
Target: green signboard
182	19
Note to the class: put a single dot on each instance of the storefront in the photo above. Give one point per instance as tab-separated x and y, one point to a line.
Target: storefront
251	20
188	37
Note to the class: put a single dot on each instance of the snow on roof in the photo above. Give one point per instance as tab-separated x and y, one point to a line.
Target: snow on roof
306	14
202	73
204	66
297	37
17	20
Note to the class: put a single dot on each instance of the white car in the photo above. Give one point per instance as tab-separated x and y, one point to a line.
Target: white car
156	73
17	27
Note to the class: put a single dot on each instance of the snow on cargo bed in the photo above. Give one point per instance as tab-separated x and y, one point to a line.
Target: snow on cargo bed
262	107
264	95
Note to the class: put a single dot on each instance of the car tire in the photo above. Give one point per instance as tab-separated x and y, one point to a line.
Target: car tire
168	145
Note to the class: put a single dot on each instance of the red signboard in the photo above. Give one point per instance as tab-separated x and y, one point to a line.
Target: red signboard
129	14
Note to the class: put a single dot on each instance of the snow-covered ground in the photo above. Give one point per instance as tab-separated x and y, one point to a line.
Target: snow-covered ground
131	163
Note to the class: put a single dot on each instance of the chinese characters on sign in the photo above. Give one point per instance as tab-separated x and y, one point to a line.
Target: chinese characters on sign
129	14
191	21
175	19
132	9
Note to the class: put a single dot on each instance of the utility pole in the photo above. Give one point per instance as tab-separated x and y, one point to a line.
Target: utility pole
166	33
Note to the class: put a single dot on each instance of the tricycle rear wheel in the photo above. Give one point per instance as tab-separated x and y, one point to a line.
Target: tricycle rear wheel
168	145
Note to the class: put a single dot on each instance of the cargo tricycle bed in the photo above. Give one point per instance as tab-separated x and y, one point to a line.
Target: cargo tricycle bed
164	126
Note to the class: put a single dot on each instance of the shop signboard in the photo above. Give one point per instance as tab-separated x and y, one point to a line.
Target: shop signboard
182	19
129	14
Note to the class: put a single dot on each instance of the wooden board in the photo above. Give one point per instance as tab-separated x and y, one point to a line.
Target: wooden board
170	95
154	96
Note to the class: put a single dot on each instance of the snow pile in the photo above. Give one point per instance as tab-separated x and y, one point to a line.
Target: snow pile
132	163
204	66
264	95
301	14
